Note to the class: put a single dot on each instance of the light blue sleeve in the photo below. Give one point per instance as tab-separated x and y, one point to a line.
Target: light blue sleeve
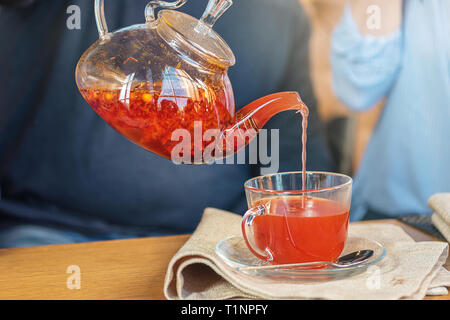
364	67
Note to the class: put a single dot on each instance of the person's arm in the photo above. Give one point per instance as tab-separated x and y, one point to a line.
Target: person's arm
366	52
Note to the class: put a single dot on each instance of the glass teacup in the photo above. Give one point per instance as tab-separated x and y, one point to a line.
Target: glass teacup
285	224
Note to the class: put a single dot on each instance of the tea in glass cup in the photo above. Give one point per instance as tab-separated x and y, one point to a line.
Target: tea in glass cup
286	224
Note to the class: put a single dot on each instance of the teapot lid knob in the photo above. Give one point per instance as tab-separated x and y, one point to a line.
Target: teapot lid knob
214	11
152	5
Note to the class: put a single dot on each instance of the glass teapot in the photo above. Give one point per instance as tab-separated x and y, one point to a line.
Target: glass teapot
164	85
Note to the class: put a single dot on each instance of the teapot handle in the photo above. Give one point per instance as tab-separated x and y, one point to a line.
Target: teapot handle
99	9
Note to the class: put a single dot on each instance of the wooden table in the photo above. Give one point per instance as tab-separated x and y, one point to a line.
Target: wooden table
120	269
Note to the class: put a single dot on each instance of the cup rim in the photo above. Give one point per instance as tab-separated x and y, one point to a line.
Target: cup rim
340	186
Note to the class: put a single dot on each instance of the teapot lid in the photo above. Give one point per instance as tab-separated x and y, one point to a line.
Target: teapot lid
180	29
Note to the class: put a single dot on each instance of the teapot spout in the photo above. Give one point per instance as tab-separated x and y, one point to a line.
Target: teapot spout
260	111
253	117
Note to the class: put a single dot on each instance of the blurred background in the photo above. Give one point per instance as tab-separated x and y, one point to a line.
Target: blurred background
348	132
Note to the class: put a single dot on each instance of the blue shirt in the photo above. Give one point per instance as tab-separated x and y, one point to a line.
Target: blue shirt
407	159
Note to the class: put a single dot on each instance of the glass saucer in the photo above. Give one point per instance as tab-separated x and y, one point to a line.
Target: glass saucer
234	252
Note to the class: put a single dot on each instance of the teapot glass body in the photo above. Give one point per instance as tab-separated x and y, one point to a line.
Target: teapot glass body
147	89
164	85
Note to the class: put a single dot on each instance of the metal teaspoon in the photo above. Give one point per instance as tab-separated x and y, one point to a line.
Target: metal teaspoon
346	261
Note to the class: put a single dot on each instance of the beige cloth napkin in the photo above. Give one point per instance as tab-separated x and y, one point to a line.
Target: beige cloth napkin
441	225
440	203
409	270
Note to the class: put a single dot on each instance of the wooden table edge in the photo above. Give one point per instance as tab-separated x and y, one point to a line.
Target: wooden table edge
39	283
